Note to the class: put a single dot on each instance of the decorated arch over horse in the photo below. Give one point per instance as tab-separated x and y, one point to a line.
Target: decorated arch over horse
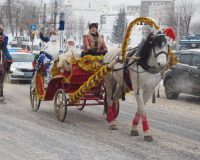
139	20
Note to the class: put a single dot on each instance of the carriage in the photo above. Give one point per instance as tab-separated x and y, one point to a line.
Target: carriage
61	86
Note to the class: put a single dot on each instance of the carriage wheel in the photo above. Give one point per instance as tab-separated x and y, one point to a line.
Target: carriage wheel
60	105
80	108
35	102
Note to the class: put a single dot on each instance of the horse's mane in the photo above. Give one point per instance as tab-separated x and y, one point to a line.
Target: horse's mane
145	49
150	43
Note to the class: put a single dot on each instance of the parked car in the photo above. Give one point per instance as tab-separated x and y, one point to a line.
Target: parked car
185	76
16	49
21	67
17	41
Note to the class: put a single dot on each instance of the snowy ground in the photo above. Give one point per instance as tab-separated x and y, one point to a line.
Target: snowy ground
85	134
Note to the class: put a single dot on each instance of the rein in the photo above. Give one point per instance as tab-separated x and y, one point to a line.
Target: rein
152	69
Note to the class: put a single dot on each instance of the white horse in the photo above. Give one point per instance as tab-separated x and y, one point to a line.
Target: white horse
145	75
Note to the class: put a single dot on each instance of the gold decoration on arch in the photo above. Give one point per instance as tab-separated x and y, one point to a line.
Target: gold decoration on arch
129	31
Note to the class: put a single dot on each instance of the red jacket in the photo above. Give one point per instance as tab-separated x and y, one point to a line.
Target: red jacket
90	44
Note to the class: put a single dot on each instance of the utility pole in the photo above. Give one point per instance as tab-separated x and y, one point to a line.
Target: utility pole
44	16
178	26
55	13
10	16
16	21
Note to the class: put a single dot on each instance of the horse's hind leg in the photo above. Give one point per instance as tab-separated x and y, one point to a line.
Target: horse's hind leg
109	81
113	90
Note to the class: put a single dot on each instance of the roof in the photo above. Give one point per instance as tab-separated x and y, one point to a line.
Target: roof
21	53
193	50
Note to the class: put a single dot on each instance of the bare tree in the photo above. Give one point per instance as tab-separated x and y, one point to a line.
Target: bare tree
195	28
187	10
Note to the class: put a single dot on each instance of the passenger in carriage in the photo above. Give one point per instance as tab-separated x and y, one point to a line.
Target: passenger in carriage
53	36
52	47
93	42
71	49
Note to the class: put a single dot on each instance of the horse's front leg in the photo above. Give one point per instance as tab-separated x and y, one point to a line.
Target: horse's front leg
136	119
146	96
141	114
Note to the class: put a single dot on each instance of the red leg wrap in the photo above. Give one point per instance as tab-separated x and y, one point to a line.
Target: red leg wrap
114	109
111	114
136	119
145	123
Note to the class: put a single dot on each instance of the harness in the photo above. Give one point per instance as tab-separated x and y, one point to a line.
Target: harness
127	67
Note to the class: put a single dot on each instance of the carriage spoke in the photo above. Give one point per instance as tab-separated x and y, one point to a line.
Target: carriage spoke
60	105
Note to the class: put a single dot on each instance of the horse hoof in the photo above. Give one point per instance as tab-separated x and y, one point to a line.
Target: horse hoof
148	138
134	133
113	127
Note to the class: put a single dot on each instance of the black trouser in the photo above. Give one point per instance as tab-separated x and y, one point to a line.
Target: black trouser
83	53
8	66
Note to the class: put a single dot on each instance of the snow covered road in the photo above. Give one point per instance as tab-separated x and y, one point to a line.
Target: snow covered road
24	134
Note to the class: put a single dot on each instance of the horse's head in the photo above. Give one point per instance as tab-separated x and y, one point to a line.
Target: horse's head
159	49
154	51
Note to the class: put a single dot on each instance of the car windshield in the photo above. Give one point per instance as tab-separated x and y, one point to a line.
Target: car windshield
22	57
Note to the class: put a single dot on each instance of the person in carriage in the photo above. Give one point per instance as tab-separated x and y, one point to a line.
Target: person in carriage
52	35
93	42
45	59
3	47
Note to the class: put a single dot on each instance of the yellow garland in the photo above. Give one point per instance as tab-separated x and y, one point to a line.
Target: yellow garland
55	71
93	81
89	63
172	58
38	95
129	31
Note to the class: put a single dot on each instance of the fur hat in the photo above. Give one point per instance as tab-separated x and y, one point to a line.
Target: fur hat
170	33
71	40
53	32
91	25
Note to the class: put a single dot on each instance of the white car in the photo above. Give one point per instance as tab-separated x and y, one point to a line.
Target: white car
21	67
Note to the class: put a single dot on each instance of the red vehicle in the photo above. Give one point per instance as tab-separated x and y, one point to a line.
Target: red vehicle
59	90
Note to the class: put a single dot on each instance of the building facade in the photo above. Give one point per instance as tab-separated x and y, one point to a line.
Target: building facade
159	10
133	10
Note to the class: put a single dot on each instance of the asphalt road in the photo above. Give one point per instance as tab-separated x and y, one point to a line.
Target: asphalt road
24	134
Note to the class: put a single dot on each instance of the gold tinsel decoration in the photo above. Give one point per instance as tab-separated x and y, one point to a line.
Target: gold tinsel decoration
129	31
172	58
93	81
89	63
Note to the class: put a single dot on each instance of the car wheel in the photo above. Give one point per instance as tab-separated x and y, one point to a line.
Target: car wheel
170	89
